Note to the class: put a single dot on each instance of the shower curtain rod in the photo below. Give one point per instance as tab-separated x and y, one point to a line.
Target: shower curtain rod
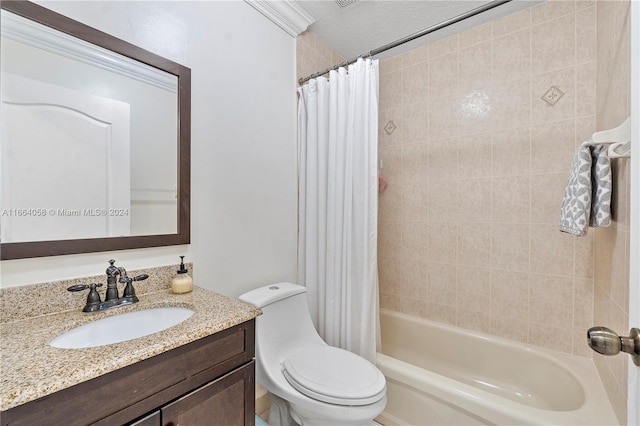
409	38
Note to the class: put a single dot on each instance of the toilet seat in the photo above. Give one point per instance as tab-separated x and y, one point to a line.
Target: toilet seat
334	375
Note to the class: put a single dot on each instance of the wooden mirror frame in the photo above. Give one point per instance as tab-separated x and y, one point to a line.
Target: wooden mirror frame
22	250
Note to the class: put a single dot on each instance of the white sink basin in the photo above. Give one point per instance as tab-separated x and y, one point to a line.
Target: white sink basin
120	328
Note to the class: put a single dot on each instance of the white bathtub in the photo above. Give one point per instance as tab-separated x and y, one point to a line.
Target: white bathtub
444	375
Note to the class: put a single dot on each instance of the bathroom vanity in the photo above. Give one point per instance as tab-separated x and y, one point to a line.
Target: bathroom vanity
200	371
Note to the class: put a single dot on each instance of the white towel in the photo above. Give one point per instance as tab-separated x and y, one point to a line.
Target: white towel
587	198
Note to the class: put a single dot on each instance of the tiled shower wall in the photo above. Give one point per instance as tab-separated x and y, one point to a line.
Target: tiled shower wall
313	54
611	306
477	165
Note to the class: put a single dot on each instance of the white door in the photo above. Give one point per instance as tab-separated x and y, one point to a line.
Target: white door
86	138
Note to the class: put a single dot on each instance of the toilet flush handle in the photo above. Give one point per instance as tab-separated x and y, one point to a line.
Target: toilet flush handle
606	342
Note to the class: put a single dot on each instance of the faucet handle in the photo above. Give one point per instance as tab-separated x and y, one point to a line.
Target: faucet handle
93	298
80	287
129	293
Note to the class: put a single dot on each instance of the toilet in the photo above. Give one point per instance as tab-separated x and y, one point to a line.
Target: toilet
311	383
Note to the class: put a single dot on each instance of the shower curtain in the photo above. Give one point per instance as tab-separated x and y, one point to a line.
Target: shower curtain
338	205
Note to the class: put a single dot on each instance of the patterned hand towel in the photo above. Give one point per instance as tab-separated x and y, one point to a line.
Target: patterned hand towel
587	198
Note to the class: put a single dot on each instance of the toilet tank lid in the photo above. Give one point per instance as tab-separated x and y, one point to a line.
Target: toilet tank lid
263	296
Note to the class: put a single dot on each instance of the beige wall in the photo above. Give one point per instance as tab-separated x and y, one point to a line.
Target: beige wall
611	303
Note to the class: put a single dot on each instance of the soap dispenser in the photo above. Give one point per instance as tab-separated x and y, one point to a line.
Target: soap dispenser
182	282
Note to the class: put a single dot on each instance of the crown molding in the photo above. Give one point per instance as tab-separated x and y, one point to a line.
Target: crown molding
285	14
34	34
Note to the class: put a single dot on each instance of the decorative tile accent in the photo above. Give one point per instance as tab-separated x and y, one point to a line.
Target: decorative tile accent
390	127
553	95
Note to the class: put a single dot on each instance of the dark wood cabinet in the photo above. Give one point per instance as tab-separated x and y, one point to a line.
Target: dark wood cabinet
222	402
210	381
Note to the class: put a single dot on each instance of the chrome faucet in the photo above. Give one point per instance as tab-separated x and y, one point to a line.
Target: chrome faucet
112	299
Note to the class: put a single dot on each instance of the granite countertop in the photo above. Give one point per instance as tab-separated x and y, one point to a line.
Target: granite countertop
32	369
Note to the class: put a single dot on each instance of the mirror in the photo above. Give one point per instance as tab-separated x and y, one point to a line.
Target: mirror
95	148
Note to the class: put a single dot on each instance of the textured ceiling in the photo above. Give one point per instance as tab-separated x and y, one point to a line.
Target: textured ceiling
368	24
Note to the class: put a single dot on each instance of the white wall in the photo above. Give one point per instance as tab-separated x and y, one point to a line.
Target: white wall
243	155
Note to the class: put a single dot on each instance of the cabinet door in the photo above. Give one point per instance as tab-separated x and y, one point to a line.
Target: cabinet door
227	401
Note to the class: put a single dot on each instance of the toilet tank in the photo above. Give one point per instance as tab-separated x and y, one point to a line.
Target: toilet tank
285	321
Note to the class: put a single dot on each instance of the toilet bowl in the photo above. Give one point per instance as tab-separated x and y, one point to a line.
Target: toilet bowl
310	382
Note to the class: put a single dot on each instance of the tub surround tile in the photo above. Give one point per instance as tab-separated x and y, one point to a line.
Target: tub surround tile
390	65
508	166
414	241
439	166
441	236
565	107
27	359
416	56
550	337
552	147
511	152
583	304
441	283
546	190
550	10
415	121
411	306
443	205
475	35
475	201
551	300
509	328
511	23
586	89
473	289
415	201
510	199
512	56
443	46
510	294
414	157
392	115
474	244
510	247
512	104
391	91
474	67
415	82
473	320
553	43
441	313
390	203
443	75
528	138
552	252
442	117
470	149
